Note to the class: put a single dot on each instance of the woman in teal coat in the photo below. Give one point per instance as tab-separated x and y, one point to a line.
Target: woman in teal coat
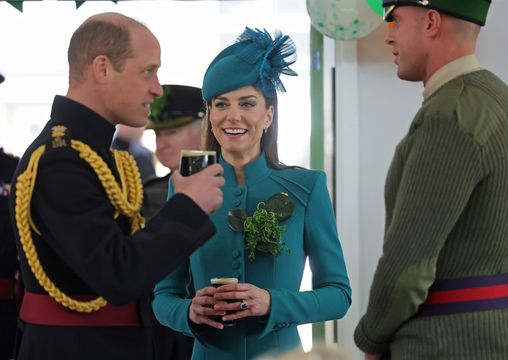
273	218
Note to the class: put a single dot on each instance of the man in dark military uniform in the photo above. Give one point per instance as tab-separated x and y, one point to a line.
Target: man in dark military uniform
88	261
176	119
8	258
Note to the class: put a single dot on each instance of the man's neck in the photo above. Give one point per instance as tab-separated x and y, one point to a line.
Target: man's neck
444	53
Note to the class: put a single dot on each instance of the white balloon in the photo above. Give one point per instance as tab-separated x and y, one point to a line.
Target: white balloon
343	19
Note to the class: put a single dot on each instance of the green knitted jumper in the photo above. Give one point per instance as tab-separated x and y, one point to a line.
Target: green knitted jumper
446	198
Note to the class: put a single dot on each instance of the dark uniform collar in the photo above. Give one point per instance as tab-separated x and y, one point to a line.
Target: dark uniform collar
83	123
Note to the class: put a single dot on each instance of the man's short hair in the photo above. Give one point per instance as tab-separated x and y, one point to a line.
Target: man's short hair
94	38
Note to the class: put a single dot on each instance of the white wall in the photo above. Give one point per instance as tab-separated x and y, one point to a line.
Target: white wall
386	106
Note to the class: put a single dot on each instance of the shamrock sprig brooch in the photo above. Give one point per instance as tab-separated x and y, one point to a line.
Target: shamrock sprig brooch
263	232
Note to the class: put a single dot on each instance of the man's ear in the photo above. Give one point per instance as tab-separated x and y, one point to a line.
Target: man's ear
100	68
432	22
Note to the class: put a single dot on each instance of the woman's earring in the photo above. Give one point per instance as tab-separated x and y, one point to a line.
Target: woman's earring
265	129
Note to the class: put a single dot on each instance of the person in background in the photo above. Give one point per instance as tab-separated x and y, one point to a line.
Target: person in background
128	138
439	290
176	119
9	267
87	258
273	217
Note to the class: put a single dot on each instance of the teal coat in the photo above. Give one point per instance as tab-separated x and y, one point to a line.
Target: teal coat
310	232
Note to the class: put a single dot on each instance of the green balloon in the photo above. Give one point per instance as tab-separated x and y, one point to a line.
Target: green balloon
376	6
343	19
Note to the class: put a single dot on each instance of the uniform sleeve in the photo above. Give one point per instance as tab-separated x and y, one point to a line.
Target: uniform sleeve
77	221
442	168
331	294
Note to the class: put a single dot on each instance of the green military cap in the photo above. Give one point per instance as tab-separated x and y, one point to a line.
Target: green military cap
471	10
179	105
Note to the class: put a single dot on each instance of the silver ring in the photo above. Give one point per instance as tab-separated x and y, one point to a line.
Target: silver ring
243	306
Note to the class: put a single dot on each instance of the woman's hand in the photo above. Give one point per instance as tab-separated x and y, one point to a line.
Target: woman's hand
202	309
244	299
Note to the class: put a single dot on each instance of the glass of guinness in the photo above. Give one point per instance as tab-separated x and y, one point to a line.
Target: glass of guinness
216	282
192	161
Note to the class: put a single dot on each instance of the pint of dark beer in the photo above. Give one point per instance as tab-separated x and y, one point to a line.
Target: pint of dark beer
192	161
216	282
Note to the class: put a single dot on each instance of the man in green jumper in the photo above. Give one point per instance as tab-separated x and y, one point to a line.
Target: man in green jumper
440	290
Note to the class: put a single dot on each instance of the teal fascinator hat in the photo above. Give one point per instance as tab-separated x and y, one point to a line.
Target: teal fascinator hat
254	59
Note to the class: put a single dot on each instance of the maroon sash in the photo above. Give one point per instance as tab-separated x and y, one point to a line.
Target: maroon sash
41	309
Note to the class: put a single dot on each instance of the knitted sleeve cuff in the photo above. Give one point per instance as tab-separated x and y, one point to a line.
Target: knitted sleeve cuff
367	345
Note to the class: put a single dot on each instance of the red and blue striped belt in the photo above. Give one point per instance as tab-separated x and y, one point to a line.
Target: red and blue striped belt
454	296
